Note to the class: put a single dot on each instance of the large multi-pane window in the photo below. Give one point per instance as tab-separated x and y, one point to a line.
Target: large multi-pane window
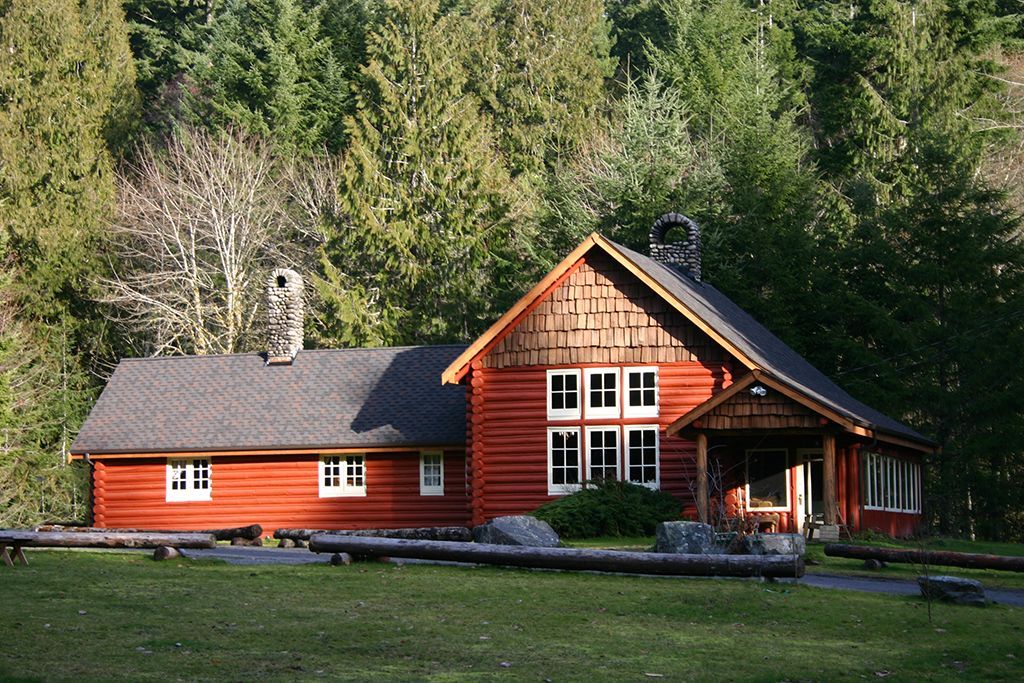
891	484
594	450
188	479
642	455
563	460
342	475
602	453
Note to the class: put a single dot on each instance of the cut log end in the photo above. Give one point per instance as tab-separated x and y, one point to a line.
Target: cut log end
166	553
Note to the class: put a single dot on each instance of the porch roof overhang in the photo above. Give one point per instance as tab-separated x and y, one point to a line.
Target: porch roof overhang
829	417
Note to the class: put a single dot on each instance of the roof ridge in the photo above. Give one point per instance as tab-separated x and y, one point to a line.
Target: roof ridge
304	351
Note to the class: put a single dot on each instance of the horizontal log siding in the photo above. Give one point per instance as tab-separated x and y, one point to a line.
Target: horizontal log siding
510	433
278	492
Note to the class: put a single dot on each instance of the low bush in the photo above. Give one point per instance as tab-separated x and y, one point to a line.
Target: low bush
609	508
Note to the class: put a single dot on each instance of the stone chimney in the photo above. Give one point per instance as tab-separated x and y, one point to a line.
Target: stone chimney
684	254
284	316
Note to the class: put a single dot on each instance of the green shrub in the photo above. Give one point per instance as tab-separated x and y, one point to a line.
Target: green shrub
609	508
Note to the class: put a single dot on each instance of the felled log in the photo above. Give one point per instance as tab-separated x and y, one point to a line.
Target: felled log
241	540
564	558
165	553
432	533
105	539
250	532
938	558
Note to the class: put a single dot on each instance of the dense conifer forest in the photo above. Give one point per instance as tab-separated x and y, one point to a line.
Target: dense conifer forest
857	169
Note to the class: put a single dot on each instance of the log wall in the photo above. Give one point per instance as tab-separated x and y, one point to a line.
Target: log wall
508	426
276	492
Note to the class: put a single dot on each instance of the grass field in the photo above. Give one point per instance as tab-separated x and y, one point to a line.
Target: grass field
90	616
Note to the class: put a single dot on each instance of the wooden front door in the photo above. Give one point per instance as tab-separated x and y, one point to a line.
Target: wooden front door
809	488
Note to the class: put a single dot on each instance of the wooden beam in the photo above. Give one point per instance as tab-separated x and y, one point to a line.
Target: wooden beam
703	507
96	539
275	451
577	559
828	478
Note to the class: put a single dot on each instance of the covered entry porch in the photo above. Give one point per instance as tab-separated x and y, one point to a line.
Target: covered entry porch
770	458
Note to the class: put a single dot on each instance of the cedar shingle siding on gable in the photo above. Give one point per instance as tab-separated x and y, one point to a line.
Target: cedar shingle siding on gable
746	411
602	314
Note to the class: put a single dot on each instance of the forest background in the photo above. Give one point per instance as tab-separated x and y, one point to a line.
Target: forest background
856	168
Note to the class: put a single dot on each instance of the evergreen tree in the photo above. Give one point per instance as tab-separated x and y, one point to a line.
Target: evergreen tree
425	205
269	71
539	68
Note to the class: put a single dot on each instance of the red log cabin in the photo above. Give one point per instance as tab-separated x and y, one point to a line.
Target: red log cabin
615	365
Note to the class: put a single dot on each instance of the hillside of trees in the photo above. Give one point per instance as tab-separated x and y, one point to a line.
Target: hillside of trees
857	169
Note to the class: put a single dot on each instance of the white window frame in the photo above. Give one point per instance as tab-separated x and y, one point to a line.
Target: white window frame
564	489
626	431
343	490
789	481
603	412
563	413
618	450
891	484
431	489
189	467
640	411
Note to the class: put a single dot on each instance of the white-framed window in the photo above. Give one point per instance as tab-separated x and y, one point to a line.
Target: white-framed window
564	464
642	464
432	473
891	484
342	475
602	453
602	392
640	392
767	487
189	479
563	394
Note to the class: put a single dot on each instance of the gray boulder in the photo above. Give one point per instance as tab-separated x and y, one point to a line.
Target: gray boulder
952	589
692	538
517	530
774	544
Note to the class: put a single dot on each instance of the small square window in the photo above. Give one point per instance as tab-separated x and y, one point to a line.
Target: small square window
432	473
188	479
563	460
342	475
641	392
563	394
602	392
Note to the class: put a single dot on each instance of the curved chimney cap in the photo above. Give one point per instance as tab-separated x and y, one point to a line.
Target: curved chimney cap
685	254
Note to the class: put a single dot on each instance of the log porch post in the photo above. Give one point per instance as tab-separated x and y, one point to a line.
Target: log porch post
828	476
702	478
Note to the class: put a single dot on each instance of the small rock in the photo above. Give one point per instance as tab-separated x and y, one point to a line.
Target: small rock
952	589
286	543
82	611
341	559
874	564
505	664
517	530
692	538
166	553
301	544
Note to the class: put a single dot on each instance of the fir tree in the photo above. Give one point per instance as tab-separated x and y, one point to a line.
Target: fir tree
425	204
268	70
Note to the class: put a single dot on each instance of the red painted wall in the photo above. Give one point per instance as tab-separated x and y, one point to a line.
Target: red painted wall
276	492
508	424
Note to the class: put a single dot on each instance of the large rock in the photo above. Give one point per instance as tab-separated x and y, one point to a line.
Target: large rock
517	530
693	538
773	544
952	589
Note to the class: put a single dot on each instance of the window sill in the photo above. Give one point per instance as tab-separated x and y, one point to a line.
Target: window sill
431	493
343	494
563	489
189	499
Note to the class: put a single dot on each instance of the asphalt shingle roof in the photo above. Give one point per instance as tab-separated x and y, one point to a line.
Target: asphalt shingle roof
385	397
765	349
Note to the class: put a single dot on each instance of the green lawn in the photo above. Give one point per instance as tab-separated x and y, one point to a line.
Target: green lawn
90	616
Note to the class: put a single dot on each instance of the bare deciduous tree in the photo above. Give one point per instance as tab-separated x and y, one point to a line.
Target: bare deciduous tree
200	225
